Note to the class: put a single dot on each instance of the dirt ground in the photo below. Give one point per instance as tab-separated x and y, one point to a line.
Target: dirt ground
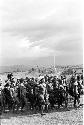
53	117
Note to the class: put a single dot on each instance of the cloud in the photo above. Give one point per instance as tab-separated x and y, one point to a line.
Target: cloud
33	28
19	47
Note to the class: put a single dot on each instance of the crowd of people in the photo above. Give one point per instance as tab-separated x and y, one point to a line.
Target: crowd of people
40	93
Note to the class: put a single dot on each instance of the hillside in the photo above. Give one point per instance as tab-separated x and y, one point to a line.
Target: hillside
23	68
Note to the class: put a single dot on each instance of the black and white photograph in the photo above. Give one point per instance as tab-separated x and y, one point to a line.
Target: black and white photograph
41	62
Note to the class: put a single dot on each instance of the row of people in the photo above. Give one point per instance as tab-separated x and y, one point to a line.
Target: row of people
41	91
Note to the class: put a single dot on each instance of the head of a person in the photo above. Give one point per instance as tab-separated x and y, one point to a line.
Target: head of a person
42	80
0	82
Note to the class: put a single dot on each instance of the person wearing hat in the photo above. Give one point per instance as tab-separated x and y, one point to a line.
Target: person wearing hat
0	85
22	93
41	95
42	86
76	93
10	76
65	87
7	94
0	97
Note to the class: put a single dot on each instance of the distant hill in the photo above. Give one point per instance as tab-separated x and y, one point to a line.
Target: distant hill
23	68
14	68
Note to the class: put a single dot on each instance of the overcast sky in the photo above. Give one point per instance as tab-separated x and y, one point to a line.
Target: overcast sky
35	30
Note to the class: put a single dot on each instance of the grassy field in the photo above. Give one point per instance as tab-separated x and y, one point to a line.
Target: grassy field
53	117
